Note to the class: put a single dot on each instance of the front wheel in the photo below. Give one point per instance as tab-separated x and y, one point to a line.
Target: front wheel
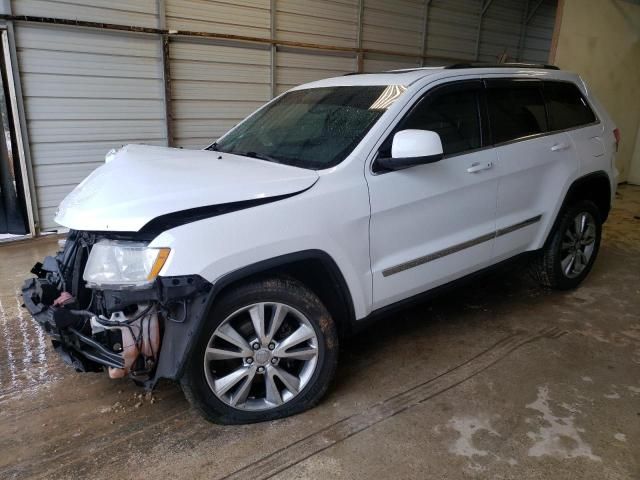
568	256
269	350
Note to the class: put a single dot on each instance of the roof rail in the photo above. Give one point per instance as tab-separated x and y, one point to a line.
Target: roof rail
502	65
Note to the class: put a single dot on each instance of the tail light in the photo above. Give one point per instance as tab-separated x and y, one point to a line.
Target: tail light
616	134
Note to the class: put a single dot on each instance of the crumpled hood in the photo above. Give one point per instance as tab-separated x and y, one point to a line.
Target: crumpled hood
143	182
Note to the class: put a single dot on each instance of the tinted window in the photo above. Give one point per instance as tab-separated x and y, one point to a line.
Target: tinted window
566	106
453	115
516	111
315	128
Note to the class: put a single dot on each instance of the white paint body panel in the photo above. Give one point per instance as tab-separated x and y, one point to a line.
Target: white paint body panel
365	222
143	182
528	171
426	209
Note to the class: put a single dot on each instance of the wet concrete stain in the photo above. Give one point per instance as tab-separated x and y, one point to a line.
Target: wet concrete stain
24	362
557	435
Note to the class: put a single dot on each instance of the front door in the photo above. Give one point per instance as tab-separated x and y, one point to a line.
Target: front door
434	223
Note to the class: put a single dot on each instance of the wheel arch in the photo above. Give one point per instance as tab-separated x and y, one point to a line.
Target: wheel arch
596	187
316	269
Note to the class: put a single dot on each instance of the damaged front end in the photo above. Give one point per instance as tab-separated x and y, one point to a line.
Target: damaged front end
141	328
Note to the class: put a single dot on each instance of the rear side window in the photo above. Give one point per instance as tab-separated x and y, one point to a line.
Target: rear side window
453	115
566	106
516	111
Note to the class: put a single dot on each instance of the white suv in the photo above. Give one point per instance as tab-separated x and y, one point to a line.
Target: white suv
237	269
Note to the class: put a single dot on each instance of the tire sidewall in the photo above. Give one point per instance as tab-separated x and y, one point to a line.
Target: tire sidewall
282	290
568	216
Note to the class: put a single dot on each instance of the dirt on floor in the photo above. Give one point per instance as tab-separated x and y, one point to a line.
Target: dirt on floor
499	379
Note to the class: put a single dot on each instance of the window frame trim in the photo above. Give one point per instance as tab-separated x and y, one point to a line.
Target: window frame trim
503	82
582	96
486	127
541	88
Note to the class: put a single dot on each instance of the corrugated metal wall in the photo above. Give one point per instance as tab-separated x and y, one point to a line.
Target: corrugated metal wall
86	90
84	93
213	87
248	17
538	33
141	13
453	28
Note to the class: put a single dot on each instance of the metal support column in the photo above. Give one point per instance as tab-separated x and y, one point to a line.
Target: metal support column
166	72
20	126
484	6
523	29
360	55
526	20
273	50
425	33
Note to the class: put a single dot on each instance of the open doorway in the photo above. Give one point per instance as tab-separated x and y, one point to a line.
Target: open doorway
15	219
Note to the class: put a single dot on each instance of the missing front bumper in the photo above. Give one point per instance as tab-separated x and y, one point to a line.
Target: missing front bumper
76	349
182	300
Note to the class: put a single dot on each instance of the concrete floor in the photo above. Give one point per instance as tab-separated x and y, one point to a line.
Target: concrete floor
497	380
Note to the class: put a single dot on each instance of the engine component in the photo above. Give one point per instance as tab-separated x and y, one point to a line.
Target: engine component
137	335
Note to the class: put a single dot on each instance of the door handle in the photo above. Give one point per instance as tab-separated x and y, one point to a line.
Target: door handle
559	146
479	166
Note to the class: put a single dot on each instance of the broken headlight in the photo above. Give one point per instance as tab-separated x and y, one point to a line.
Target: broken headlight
123	264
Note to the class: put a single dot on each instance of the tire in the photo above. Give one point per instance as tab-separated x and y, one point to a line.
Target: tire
255	398
550	267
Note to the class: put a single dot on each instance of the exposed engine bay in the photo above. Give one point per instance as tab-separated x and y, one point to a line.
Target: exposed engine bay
119	329
135	336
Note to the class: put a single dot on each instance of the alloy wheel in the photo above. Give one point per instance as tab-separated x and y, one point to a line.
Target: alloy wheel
261	356
578	244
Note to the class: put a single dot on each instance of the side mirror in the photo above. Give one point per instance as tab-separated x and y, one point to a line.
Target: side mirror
413	147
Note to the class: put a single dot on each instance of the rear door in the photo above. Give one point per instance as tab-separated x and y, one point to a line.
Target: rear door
569	111
533	164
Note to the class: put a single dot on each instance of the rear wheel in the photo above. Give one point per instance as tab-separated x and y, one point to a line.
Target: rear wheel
568	257
269	350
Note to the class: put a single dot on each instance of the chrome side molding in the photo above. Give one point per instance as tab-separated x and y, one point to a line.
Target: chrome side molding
459	247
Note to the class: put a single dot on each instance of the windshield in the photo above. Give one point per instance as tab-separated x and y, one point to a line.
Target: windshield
315	128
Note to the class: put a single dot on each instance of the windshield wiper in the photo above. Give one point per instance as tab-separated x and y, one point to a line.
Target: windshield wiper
268	158
213	147
261	156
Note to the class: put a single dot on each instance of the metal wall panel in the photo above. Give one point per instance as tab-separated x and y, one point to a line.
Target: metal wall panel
452	27
294	68
501	27
382	63
395	26
213	87
332	22
141	13
249	17
539	32
85	92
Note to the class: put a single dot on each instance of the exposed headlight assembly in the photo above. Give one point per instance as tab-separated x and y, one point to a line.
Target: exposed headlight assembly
120	264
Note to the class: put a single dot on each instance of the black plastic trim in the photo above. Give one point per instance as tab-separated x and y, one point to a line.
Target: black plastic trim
182	217
570	191
263	266
390	163
542	66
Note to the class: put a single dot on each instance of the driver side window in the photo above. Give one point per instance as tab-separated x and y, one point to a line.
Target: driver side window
454	115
